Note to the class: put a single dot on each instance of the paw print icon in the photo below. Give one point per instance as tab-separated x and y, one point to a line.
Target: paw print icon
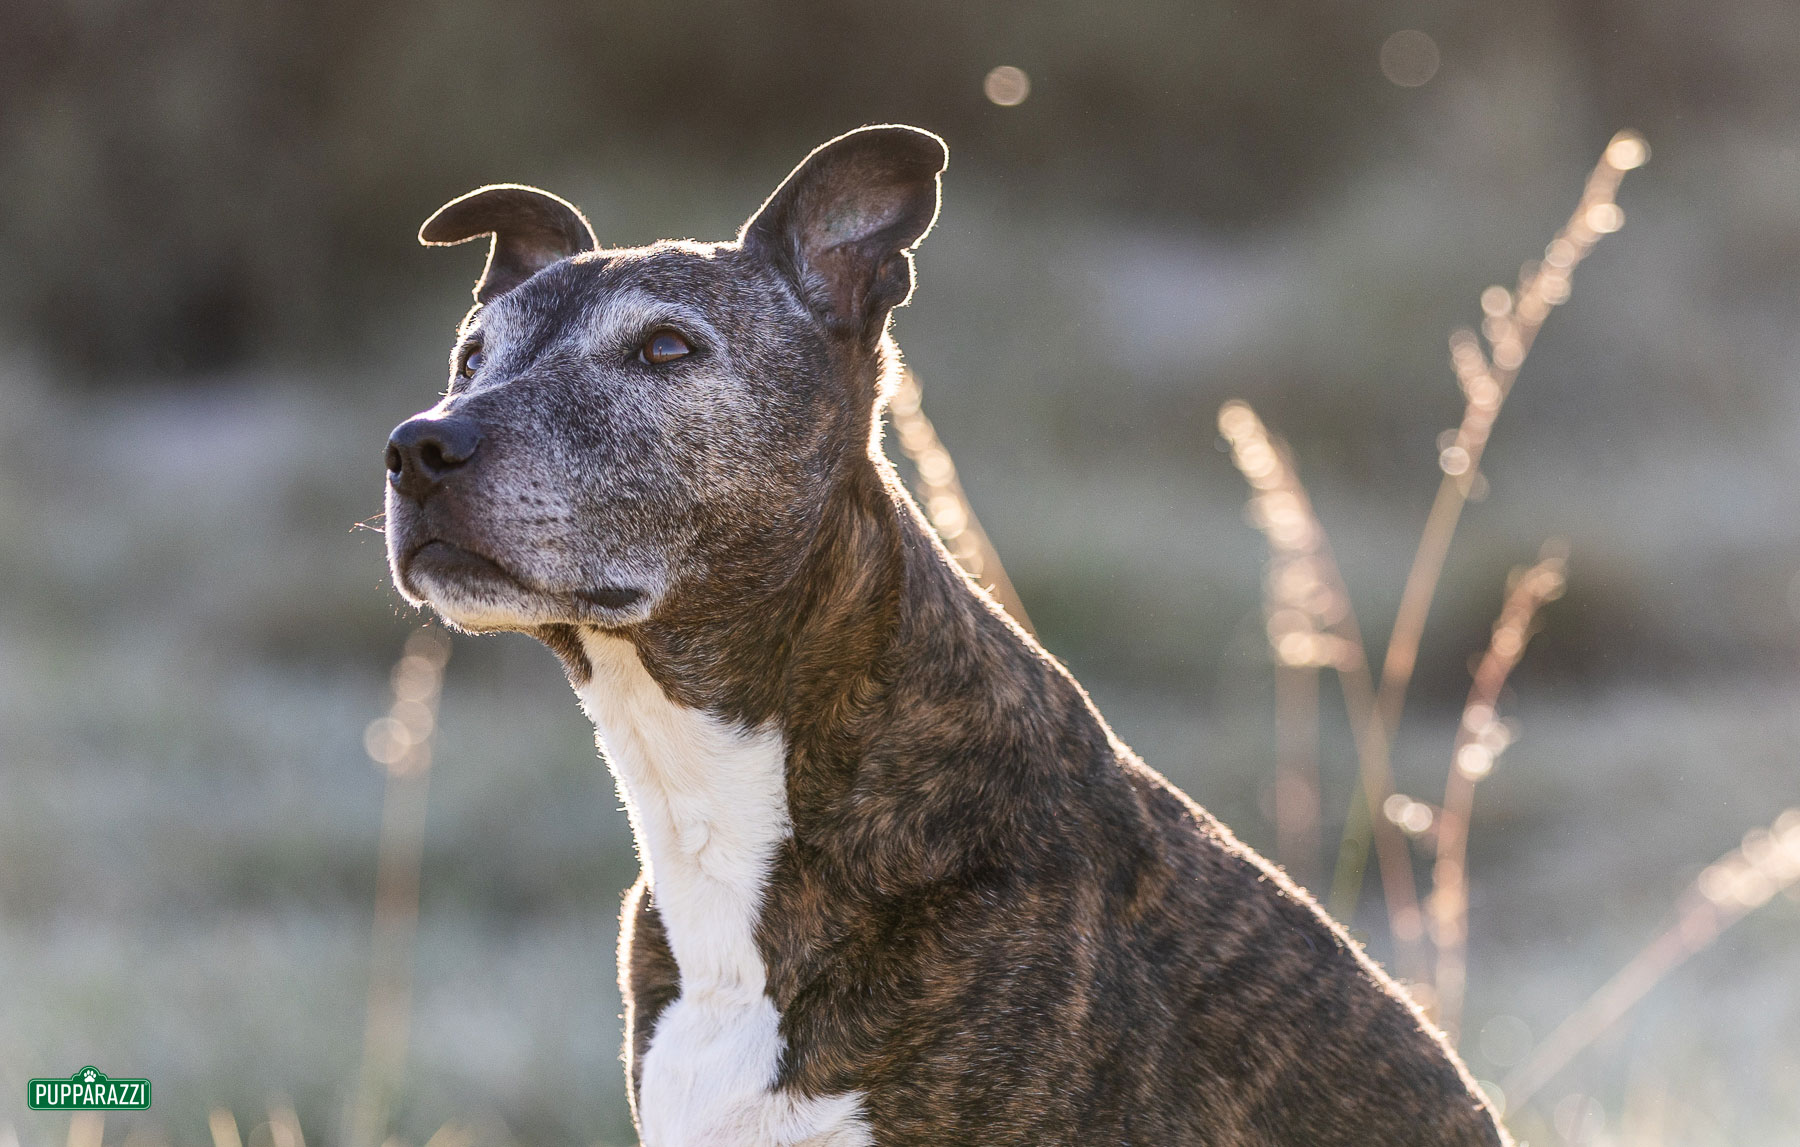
89	1075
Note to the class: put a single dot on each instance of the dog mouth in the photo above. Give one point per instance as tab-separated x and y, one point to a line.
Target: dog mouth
436	562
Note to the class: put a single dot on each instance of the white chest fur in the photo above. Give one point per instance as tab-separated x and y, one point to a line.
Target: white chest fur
708	804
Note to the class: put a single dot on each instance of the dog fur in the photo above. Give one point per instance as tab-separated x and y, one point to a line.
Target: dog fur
901	883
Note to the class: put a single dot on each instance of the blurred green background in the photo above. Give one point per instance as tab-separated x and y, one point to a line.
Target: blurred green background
213	309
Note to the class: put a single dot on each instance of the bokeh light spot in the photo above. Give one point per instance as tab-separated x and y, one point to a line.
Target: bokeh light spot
1475	761
1410	816
1605	218
1627	151
1007	86
1409	58
387	740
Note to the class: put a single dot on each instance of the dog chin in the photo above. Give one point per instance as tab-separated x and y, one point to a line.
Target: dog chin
489	607
480	611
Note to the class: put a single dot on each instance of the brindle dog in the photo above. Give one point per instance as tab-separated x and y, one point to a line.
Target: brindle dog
901	884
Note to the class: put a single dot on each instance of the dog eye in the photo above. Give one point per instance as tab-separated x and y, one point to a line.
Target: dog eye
664	346
471	362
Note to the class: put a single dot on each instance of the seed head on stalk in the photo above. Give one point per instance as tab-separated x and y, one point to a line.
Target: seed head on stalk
1480	737
1511	324
1311	625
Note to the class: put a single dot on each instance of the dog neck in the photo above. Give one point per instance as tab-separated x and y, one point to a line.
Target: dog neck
708	805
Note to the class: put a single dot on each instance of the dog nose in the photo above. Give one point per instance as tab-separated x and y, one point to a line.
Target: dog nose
421	452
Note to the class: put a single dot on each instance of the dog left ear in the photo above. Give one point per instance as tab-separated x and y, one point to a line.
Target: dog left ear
532	229
844	224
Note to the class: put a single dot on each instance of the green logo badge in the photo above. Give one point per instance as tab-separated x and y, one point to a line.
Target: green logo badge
87	1090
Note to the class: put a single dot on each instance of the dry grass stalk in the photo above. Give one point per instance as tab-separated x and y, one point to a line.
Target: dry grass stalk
86	1129
1311	625
224	1128
283	1130
945	502
451	1135
1513	320
284	1126
1480	738
1738	883
401	742
1297	771
1302	602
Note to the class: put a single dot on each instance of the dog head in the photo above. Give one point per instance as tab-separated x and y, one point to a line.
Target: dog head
627	428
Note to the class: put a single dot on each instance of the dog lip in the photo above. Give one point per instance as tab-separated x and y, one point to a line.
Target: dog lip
611	596
459	562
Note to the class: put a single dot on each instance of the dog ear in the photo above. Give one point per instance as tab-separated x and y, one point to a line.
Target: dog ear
844	224
532	229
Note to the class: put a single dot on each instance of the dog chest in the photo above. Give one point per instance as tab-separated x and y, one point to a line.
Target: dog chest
708	805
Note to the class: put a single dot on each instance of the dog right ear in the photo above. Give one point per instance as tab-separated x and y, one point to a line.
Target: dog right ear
532	229
844	224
